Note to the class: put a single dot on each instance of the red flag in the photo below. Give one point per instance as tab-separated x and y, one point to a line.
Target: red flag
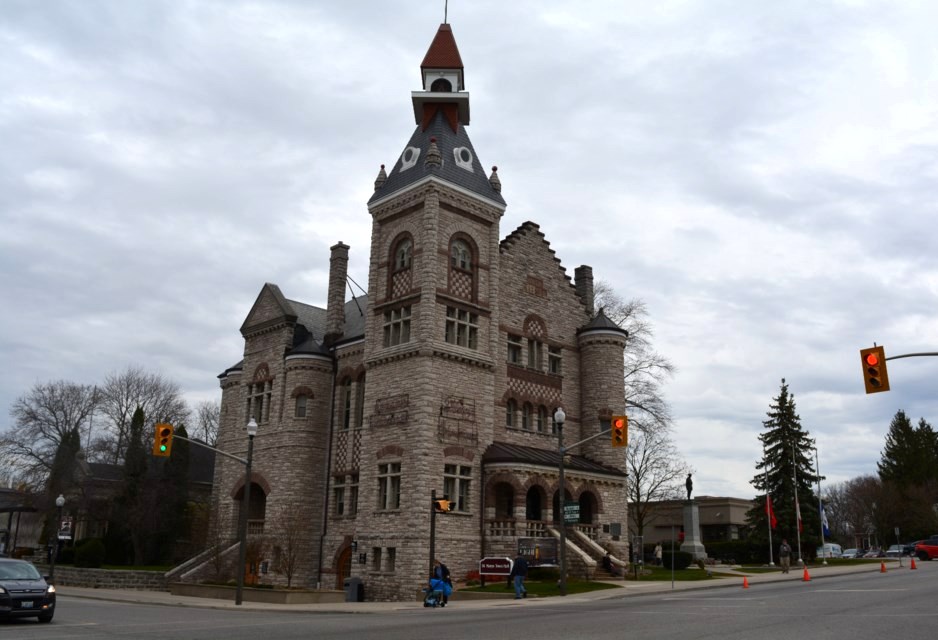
769	511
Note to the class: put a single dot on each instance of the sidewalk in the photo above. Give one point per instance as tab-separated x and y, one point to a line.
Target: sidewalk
626	588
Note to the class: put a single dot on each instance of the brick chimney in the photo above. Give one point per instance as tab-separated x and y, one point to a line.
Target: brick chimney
584	286
335	305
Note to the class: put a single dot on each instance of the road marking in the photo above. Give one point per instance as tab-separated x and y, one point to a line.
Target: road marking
855	590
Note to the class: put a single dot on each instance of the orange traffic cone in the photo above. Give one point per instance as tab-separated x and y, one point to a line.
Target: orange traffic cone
806	578
745	582
913	563
882	567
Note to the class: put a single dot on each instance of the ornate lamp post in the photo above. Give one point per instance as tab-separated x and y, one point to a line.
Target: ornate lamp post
59	502
559	417
245	505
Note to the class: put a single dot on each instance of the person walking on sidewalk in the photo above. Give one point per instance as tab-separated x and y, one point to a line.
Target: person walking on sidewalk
784	555
519	571
658	554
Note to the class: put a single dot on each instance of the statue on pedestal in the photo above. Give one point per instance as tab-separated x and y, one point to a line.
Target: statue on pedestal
690	486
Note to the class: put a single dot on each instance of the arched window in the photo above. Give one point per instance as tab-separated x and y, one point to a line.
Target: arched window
441	85
301	406
526	416
510	410
541	419
403	254
460	255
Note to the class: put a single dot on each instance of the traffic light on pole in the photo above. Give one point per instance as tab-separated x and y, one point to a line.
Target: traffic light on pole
620	431
163	440
875	377
443	506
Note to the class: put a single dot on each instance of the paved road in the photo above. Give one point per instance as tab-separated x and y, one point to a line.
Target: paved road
851	605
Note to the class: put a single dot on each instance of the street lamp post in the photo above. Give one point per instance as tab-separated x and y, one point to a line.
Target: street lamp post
559	417
59	502
245	505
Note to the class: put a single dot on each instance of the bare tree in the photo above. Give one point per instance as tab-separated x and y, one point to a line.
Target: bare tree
656	473
208	413
289	540
160	399
645	369
42	418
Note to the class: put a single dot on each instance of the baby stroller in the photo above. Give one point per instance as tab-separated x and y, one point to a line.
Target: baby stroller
436	592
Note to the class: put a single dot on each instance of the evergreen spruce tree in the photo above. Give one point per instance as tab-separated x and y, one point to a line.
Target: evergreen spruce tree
787	449
908	469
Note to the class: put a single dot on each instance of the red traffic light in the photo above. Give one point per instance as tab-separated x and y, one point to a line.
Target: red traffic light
875	376
872	360
620	431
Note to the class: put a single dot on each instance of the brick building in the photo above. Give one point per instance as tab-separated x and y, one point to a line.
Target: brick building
445	378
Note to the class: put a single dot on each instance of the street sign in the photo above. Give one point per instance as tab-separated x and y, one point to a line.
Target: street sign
65	528
571	512
495	566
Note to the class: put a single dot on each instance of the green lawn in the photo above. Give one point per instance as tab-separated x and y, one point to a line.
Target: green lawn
542	588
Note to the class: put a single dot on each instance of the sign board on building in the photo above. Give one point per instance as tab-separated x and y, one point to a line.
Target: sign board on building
539	552
571	512
495	566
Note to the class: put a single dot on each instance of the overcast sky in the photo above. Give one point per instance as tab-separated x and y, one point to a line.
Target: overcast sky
761	174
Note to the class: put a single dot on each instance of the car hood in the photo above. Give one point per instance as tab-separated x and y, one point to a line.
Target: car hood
24	585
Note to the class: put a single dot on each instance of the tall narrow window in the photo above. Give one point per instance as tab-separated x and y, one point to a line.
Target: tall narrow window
301	402
392	559
376	558
396	326
456	482
553	360
514	349
510	410
389	486
338	493
360	401
542	419
534	354
353	495
346	404
259	398
526	416
462	328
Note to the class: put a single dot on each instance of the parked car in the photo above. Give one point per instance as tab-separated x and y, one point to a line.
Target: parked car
895	551
23	592
874	552
851	553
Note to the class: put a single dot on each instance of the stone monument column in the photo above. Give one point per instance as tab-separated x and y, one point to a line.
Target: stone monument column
692	543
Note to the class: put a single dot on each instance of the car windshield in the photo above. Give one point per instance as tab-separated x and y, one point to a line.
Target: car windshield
18	571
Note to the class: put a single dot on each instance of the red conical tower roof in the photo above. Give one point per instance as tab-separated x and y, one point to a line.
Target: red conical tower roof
443	53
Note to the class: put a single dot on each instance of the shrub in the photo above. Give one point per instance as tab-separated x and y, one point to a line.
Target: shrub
679	559
90	554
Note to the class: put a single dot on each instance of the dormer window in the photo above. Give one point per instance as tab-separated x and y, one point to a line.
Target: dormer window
441	85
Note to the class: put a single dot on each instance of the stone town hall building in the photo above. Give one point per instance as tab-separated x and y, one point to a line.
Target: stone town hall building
445	377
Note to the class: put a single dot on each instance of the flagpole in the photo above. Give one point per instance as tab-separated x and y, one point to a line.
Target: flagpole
820	506
768	505
794	470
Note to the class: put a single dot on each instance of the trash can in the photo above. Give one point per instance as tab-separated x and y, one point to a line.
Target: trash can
354	589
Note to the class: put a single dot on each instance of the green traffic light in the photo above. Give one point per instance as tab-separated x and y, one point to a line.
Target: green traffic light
162	447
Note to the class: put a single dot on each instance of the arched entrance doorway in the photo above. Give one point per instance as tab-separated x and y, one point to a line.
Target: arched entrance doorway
343	566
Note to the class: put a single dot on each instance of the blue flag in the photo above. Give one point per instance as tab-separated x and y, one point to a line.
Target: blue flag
824	527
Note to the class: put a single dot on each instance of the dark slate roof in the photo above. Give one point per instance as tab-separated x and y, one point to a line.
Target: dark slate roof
602	322
309	340
504	452
475	181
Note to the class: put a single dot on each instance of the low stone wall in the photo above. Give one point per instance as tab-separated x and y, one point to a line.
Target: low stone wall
107	578
248	594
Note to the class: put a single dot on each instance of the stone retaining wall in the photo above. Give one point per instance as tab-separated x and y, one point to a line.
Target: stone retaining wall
107	578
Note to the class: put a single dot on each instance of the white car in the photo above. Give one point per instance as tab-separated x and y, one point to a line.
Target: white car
851	553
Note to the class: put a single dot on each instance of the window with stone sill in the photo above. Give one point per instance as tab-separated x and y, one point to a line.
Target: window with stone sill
456	482
534	354
514	349
526	415
389	486
462	328
376	558
339	496
396	326
353	495
403	254
461	255
301	406
511	408
554	361
390	565
542	419
259	399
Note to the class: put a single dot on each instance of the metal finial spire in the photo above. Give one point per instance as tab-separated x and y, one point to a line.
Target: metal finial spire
445	10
